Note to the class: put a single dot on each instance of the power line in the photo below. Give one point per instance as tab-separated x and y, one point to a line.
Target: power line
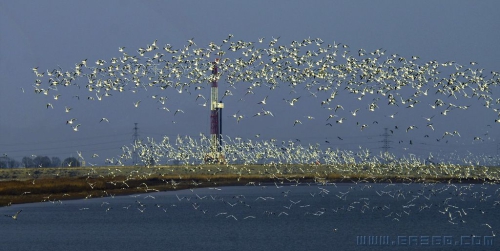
45	142
386	143
61	147
135	157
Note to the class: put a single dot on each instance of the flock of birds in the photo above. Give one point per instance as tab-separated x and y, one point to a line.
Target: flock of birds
453	203
471	206
308	69
240	154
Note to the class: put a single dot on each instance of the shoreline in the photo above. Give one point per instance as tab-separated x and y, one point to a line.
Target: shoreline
28	185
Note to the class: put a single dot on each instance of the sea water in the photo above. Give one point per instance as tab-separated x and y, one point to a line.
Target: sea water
343	216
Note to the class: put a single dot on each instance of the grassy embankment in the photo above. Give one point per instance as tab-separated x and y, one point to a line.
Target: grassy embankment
25	185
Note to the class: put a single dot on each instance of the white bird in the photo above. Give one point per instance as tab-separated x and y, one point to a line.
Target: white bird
191	42
263	102
178	110
339	107
331	116
15	215
410	128
239	118
429	119
267	113
75	128
282	213
200	96
232	216
291	102
227	93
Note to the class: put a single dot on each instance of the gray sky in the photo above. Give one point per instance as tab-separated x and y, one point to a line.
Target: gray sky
52	34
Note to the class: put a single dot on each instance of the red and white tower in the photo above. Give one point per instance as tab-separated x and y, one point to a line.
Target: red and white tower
215	155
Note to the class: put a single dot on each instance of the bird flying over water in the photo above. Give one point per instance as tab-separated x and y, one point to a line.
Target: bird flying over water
15	215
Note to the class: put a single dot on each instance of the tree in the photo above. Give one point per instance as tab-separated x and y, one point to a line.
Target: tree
27	162
3	162
7	162
42	161
14	163
56	162
71	162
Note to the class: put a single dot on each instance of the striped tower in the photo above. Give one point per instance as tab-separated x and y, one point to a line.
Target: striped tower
215	155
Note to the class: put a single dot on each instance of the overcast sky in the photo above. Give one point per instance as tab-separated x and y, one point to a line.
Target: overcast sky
59	34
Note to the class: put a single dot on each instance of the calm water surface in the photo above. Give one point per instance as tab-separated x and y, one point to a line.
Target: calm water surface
343	216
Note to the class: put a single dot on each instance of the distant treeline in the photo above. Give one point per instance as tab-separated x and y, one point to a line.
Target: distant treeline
38	161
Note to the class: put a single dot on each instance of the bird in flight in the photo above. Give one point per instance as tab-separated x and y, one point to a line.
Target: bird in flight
178	110
75	128
339	107
291	102
239	118
227	93
263	102
200	96
410	128
15	215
